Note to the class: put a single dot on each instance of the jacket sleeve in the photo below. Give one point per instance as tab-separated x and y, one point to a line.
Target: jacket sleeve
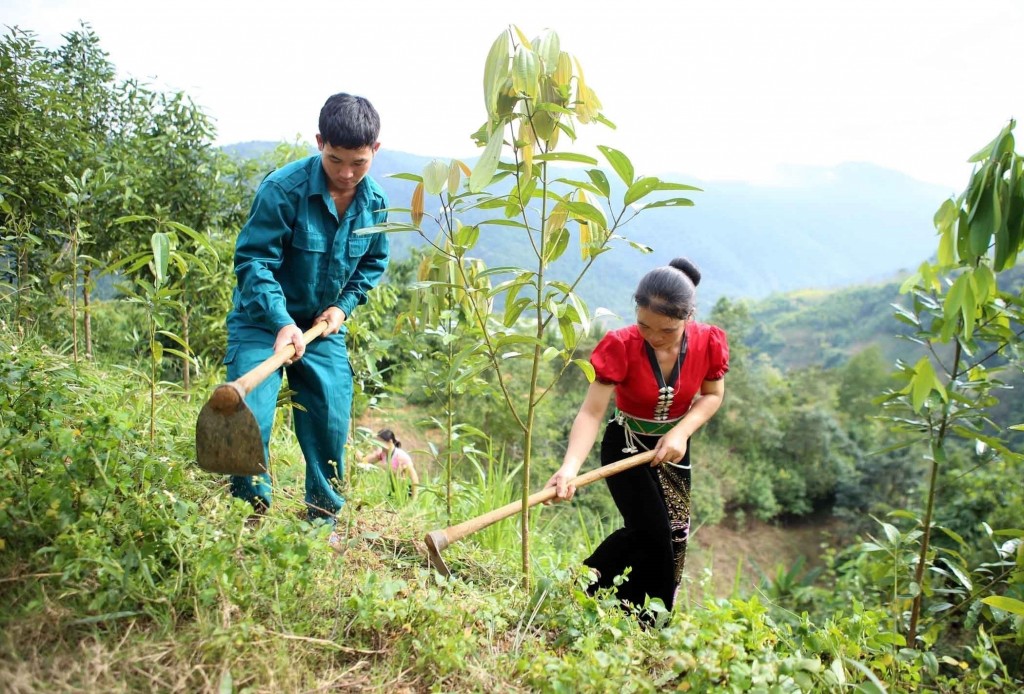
369	267
259	253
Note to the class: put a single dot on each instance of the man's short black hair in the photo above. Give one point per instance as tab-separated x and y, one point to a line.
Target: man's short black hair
349	121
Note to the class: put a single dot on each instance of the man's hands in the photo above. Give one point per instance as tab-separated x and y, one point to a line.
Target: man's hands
334	318
291	335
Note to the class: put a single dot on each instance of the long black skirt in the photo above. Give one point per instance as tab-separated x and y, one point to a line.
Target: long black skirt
655	507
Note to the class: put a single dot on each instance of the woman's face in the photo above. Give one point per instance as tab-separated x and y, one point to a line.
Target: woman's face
661	331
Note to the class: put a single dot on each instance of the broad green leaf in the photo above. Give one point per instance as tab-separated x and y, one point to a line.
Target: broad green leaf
566	156
555	246
600	180
969	308
987	151
563	73
923	383
548	48
588	212
587	368
386	228
1002	602
669	185
161	253
891	533
435	176
454	178
488	162
569	335
620	163
134	218
467	236
495	73
672	202
513	310
526	72
983	223
946	257
406	177
984	284
583	317
642	187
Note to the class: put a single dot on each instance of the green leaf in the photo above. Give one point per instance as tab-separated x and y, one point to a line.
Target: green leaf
642	187
435	176
620	163
495	73
587	368
525	72
588	212
600	180
548	47
161	253
406	177
923	383
555	246
1004	603
672	202
134	218
488	163
566	156
227	683
569	335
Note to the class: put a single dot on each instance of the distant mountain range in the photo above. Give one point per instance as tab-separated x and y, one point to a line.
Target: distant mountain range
819	228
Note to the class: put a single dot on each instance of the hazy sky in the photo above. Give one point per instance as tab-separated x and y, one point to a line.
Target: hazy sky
719	89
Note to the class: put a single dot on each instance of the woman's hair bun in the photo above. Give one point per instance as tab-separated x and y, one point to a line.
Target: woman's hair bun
687	268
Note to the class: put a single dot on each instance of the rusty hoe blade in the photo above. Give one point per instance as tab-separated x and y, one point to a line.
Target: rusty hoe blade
436	542
228	439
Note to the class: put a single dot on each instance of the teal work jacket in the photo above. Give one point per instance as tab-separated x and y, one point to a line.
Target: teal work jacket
295	258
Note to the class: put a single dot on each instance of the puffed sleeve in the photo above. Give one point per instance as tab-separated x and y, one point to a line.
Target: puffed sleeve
609	359
718	354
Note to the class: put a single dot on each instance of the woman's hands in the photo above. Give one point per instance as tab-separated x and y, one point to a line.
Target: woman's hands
562	482
671	447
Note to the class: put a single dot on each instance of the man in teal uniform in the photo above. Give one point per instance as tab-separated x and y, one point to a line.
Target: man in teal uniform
298	262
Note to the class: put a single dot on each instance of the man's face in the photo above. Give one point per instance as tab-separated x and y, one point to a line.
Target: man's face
345	168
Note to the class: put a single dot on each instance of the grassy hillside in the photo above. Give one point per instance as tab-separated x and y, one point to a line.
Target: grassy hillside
125	568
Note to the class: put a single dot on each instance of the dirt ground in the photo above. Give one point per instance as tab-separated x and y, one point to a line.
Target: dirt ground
757	548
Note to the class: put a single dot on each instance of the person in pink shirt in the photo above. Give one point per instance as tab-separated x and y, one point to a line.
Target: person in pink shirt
393	458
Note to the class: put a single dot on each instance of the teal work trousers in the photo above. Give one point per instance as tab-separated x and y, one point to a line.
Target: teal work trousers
322	385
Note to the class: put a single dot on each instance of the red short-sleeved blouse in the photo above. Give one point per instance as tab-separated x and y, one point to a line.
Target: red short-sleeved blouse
621	359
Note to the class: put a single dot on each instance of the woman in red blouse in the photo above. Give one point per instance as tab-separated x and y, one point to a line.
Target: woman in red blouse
667	374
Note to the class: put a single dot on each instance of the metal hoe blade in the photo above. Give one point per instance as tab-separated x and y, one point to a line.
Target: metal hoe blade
228	439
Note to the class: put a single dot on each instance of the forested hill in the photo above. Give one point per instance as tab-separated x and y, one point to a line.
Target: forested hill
817	228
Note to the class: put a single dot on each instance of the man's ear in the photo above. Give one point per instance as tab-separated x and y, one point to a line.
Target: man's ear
319	142
376	146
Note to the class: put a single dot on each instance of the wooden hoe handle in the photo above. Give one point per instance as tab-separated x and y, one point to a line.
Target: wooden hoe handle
457	532
228	397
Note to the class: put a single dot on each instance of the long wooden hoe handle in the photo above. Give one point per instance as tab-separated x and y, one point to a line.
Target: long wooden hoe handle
437	540
226	398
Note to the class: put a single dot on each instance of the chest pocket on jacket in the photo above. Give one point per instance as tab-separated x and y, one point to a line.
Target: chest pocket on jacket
309	239
358	245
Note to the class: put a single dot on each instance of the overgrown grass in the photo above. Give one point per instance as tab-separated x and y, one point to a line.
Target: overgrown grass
125	568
